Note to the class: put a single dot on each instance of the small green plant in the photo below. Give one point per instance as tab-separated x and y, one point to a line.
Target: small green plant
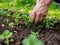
26	19
16	17
5	13
21	16
6	35
49	22
6	21
11	24
46	24
32	40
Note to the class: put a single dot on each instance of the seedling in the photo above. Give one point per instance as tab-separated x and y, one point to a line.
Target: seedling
26	19
5	13
21	15
16	17
11	24
6	21
32	40
49	22
6	35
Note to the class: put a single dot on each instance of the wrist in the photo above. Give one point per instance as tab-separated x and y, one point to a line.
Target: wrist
45	2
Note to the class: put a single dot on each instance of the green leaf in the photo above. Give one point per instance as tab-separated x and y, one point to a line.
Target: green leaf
6	32
10	34
38	42
2	37
25	42
11	24
32	40
11	40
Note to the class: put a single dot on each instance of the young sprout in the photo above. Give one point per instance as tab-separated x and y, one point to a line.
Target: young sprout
11	24
6	35
50	22
16	17
6	21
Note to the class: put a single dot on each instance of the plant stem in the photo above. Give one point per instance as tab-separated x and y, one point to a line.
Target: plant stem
7	41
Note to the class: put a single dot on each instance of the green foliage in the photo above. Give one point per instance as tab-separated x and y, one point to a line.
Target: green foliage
6	35
54	6
26	19
54	14
6	21
16	17
46	24
32	40
21	16
11	24
25	2
49	22
5	12
4	1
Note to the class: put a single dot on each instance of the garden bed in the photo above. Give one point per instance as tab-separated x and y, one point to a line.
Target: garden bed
49	36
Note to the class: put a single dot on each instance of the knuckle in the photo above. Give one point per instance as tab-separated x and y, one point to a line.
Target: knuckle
38	13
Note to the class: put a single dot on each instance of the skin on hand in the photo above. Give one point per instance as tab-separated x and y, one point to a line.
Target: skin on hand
40	11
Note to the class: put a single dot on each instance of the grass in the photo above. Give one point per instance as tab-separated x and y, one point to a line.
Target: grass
54	11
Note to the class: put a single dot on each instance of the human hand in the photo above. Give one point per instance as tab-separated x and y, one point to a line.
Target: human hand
39	12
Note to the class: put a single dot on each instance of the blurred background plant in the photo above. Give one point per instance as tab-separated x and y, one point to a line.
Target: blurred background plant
32	40
27	6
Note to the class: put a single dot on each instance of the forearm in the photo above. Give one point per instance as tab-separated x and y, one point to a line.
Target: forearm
45	2
37	1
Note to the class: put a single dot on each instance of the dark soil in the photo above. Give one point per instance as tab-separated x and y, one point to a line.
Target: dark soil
48	36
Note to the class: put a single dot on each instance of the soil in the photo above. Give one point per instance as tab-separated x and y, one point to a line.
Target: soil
48	36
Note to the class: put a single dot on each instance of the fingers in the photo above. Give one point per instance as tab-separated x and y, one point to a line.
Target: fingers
32	16
37	17
39	13
42	18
